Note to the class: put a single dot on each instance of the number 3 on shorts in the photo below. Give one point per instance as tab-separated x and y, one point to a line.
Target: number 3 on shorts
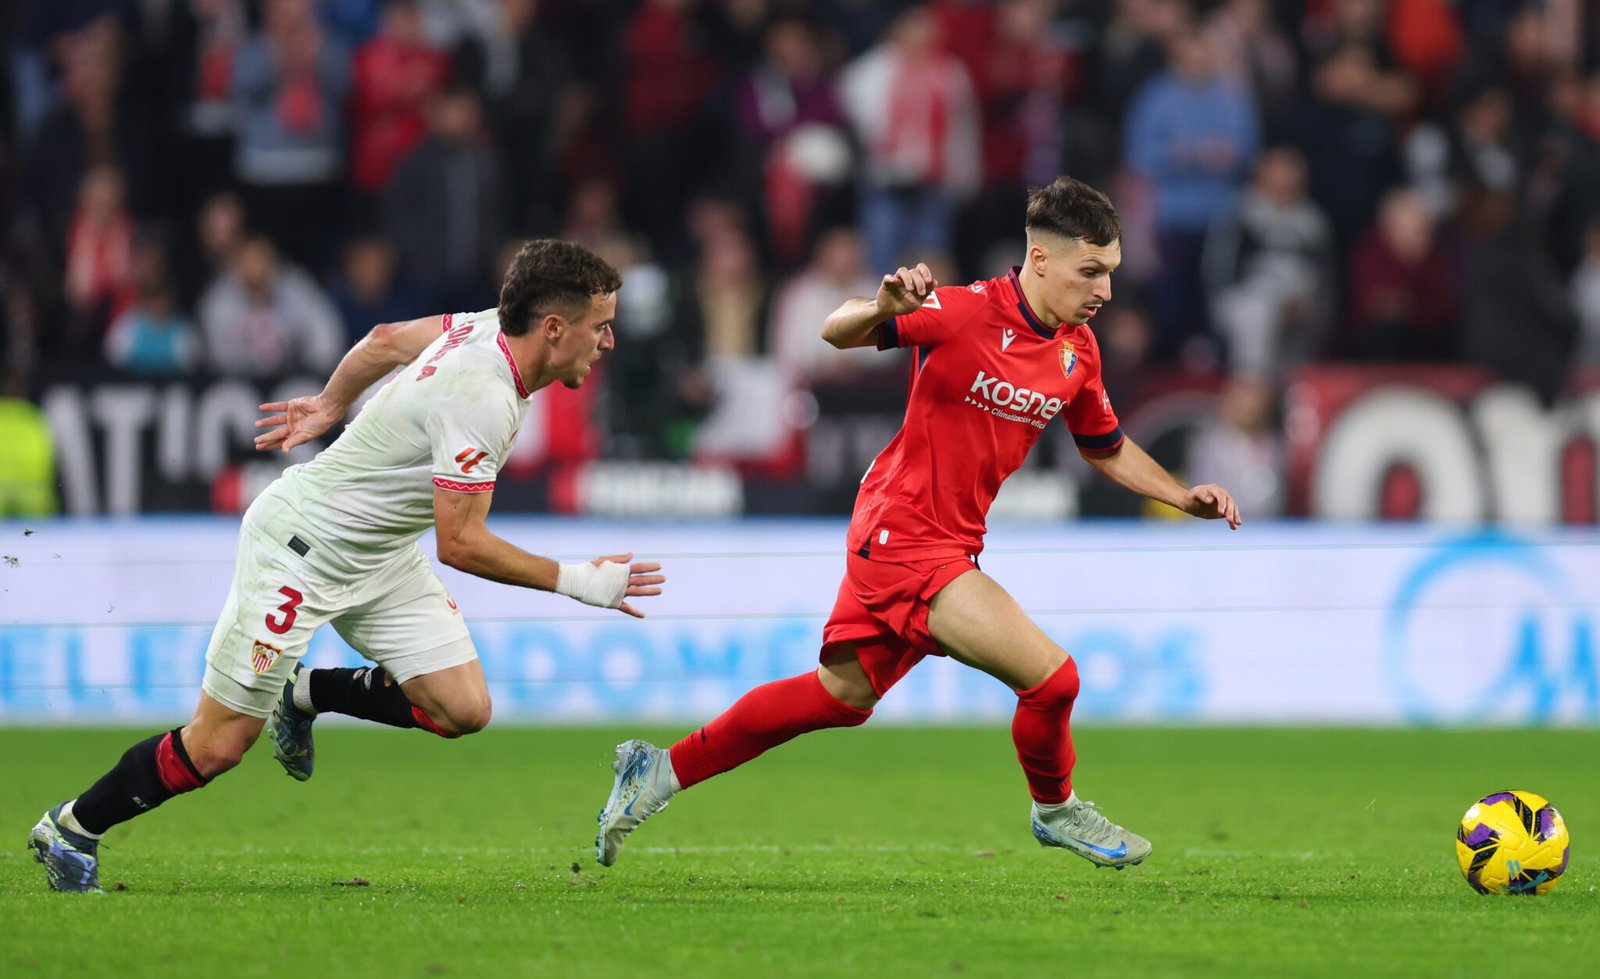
281	626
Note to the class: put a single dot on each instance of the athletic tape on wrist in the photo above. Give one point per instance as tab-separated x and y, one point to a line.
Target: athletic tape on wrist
604	586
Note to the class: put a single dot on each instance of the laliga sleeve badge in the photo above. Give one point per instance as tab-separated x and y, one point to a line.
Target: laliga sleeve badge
263	656
1069	358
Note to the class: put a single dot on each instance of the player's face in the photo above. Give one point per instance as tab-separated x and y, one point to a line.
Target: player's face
586	340
1077	275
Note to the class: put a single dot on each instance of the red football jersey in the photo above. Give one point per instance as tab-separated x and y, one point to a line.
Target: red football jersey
986	379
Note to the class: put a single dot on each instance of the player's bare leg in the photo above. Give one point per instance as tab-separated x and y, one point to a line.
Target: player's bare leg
978	623
835	694
67	838
450	703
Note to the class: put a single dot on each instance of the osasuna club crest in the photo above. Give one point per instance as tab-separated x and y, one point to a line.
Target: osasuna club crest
262	656
1069	358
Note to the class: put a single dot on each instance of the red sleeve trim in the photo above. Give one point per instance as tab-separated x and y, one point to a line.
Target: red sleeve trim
458	487
445	319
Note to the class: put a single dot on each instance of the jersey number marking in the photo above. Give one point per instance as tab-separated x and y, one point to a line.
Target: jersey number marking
288	610
468	463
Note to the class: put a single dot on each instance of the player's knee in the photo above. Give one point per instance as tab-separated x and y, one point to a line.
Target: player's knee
213	756
1057	691
467	718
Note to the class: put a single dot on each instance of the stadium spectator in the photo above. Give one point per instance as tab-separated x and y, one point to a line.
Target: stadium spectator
202	255
1586	299
368	291
394	75
1404	294
1250	48
722	314
1192	134
1517	316
1243	443
671	148
289	86
264	318
203	40
153	335
445	210
1348	123
532	101
838	270
913	110
794	147
98	280
1270	270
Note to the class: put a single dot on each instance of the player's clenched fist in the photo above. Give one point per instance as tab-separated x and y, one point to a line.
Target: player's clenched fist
905	290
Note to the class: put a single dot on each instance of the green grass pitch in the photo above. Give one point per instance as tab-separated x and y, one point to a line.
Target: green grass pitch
881	852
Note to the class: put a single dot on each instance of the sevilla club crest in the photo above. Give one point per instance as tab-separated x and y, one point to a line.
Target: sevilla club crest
262	656
1069	358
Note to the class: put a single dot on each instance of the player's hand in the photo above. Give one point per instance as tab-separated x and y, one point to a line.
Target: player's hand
1211	502
642	579
905	290
296	422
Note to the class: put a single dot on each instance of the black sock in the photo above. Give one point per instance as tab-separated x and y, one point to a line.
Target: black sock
369	693
148	774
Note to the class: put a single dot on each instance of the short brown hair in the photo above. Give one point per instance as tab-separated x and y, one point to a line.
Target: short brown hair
1072	209
551	276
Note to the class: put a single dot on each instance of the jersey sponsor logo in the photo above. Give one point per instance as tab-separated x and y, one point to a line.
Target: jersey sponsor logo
468	460
1006	336
263	656
1006	400
1069	358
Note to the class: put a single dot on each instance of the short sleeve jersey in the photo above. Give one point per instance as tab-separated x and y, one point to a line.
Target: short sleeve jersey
988	376
448	419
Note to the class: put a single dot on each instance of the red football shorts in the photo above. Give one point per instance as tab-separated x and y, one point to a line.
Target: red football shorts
883	609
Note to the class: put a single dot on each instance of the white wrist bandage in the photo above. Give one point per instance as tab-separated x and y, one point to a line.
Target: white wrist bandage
604	586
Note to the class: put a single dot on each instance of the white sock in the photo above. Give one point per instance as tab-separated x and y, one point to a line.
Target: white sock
302	692
1055	807
672	776
68	821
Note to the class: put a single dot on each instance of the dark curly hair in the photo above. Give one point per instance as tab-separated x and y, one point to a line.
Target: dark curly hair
1072	209
551	276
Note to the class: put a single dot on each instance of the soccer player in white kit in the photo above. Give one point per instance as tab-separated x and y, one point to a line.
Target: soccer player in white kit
334	541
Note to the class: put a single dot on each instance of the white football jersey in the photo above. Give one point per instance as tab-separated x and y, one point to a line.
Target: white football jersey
447	419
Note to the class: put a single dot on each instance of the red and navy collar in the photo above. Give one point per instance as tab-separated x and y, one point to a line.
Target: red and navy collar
1027	311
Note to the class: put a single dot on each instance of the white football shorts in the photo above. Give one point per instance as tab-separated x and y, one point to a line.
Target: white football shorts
399	616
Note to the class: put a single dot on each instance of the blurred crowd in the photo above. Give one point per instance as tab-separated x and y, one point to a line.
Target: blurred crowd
244	187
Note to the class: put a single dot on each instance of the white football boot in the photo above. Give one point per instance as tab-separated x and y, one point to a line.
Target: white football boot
644	784
1078	826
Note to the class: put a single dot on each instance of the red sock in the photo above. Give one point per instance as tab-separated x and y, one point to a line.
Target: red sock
764	718
1043	735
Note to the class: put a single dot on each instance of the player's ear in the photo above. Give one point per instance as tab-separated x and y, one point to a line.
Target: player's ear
552	326
1038	256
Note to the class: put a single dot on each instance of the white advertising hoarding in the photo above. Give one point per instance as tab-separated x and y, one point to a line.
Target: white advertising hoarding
107	622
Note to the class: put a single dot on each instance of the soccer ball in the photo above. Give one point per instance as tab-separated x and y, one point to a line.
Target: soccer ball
1512	842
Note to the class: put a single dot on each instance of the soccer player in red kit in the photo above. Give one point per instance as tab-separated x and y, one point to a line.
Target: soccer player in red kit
995	362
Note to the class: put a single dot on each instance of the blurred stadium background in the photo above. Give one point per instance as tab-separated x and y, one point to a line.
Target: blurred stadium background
1361	288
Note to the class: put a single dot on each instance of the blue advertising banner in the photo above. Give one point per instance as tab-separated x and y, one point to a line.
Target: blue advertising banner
107	621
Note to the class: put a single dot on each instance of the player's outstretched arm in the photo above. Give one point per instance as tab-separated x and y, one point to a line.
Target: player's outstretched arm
466	544
388	346
902	291
1131	467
